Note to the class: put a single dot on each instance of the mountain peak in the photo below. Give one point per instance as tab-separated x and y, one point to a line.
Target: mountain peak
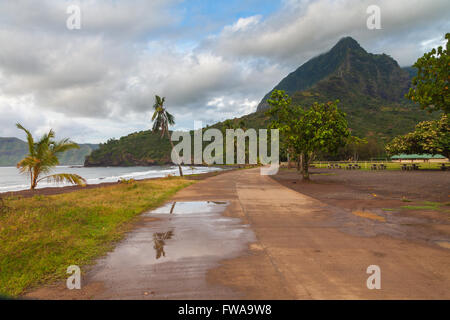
347	67
347	43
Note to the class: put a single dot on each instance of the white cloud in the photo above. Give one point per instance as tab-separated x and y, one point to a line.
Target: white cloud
100	81
303	29
242	24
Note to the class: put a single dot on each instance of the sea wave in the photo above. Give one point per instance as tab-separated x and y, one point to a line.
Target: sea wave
16	182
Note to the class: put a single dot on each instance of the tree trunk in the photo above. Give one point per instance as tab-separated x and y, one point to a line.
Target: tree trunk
288	159
305	166
33	181
171	143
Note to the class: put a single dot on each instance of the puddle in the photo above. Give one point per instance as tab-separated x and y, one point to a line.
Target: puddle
190	207
368	215
171	256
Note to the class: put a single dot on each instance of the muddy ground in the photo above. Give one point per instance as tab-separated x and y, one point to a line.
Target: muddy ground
331	185
415	204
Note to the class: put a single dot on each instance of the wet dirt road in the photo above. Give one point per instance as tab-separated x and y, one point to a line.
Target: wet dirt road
256	239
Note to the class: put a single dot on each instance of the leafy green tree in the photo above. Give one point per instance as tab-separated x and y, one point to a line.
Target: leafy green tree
161	120
320	128
43	156
431	85
354	144
431	137
284	118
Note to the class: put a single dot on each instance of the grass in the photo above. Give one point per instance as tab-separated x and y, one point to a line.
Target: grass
365	165
426	205
41	236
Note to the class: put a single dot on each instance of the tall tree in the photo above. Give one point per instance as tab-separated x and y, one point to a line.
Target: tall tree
354	144
320	128
161	120
43	156
284	118
431	137
430	88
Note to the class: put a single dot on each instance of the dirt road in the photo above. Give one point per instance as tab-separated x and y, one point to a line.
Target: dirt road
286	245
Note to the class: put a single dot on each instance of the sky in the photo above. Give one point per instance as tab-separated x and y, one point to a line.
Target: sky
212	60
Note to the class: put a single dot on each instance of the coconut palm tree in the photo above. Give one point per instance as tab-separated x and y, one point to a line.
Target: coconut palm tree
43	156
161	120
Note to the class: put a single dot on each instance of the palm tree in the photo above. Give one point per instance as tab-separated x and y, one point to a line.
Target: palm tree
161	120
43	156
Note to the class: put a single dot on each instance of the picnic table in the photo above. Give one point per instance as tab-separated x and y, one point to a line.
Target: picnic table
351	166
410	167
334	166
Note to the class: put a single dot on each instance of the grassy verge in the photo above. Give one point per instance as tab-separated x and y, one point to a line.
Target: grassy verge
366	165
426	205
429	205
42	235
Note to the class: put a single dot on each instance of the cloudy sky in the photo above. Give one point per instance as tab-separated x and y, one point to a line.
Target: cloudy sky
212	60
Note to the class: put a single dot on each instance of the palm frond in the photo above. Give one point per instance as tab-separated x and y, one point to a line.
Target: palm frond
161	118
65	177
157	103
30	139
64	145
26	164
170	118
155	114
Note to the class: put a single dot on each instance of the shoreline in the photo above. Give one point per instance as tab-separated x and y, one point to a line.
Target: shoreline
48	191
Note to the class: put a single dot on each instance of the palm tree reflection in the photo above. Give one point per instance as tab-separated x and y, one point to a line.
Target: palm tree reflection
159	242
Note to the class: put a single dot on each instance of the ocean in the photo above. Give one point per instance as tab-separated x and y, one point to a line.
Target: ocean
12	180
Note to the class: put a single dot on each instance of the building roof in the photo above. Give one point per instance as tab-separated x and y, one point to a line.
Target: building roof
418	156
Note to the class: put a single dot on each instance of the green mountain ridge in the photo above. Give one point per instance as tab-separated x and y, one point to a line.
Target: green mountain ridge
348	66
12	150
370	88
142	148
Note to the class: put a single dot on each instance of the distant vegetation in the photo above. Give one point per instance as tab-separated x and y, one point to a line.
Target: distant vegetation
137	149
14	149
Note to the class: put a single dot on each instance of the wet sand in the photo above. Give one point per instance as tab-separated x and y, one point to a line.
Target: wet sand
303	248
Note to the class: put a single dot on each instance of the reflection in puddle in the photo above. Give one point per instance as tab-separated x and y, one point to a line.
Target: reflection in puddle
172	254
190	207
159	240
